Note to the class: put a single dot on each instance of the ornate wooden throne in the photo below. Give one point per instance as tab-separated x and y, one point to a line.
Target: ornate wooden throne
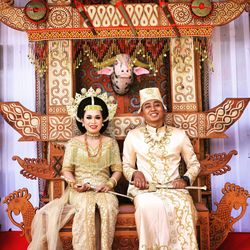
70	40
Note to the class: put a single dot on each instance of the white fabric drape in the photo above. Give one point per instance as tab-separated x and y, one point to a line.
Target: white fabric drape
17	83
231	78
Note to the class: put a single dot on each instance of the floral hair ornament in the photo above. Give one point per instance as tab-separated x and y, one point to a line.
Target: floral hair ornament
109	101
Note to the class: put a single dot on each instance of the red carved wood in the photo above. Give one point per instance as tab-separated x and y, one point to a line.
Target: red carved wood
125	234
221	220
209	124
18	203
33	168
216	164
69	25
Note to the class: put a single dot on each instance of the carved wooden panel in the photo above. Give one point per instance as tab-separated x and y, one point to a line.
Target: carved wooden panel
59	2
60	85
216	164
222	220
64	22
36	127
183	83
18	203
203	222
124	243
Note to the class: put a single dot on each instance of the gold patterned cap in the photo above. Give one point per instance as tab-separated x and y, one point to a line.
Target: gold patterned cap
109	101
148	94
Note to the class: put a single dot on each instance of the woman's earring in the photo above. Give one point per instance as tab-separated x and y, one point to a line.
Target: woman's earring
102	125
83	124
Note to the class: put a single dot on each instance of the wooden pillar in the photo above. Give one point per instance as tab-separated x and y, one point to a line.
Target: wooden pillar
59	93
185	88
183	75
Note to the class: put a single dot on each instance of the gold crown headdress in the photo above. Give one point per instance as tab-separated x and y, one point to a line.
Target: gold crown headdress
109	100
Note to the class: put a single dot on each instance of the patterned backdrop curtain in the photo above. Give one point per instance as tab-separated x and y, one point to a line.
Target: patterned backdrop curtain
17	83
231	78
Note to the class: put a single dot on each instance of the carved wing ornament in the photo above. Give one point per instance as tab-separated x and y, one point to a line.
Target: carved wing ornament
24	121
43	168
66	22
18	203
37	127
33	168
216	164
223	115
222	220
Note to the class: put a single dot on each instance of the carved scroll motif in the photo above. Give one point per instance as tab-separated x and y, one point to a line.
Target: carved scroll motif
36	127
23	120
221	221
33	168
41	168
223	115
60	87
64	21
221	13
216	164
59	2
125	243
18	203
183	74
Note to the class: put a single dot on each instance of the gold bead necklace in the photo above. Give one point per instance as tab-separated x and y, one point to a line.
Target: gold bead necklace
93	135
99	148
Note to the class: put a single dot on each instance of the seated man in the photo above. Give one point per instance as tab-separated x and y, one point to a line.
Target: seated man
165	214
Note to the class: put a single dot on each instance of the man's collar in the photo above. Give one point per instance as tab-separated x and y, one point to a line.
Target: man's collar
155	130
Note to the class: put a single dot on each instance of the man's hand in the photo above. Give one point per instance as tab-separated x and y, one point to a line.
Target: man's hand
139	180
179	183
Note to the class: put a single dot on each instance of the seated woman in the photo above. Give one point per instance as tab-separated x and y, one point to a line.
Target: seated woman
92	167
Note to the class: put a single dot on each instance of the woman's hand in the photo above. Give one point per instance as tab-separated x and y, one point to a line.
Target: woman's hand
103	188
82	187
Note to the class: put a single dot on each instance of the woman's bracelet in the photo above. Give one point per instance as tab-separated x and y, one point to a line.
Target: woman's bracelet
112	182
69	181
114	179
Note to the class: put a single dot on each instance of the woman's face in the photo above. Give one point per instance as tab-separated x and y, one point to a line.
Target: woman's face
92	121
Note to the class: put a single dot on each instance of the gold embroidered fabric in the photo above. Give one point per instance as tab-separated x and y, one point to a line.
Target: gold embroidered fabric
53	216
157	153
95	170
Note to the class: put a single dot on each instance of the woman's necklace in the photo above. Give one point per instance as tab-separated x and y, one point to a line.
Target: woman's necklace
96	135
99	148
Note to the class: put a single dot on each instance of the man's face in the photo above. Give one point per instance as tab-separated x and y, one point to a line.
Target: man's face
153	112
